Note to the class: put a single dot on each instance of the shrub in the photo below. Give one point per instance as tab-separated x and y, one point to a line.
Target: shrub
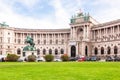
49	58
12	57
31	58
65	57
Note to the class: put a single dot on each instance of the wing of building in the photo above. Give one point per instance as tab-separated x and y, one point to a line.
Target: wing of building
84	37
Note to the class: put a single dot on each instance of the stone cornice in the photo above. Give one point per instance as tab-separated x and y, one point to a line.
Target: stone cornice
41	30
106	24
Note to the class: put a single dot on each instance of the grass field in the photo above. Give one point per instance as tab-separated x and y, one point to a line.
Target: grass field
60	71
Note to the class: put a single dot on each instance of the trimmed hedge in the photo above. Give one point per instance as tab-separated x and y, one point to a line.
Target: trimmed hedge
31	58
49	58
12	58
64	57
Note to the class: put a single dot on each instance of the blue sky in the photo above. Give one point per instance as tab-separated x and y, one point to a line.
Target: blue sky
55	14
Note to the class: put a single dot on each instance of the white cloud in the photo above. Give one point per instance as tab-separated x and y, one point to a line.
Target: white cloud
29	3
64	9
107	10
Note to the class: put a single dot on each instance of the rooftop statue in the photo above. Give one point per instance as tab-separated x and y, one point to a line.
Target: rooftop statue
31	45
3	24
80	15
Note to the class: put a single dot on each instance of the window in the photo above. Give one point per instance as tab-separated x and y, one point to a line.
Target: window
0	46
102	50
56	51
44	41
19	41
24	54
50	41
50	51
0	52
96	51
108	50
38	51
56	35
32	53
44	51
8	40
56	41
62	41
8	47
38	41
44	35
15	40
18	51
115	50
62	51
50	35
1	39
8	33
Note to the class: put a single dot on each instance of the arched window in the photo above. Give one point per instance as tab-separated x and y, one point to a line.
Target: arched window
62	51
56	51
50	51
96	51
38	51
102	50
86	51
18	51
44	51
115	50
108	50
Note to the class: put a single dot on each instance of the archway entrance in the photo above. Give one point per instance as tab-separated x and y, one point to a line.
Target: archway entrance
86	51
73	51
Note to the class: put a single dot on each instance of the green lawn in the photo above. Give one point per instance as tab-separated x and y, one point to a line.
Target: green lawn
60	71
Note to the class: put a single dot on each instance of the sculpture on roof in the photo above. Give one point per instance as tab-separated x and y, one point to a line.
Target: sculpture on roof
3	24
80	15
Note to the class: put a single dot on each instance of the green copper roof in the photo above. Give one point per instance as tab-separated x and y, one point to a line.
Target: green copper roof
3	24
85	17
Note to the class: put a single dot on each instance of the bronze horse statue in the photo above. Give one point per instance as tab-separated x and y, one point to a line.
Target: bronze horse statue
30	41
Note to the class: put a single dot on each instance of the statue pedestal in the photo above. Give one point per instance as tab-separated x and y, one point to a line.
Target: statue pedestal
25	54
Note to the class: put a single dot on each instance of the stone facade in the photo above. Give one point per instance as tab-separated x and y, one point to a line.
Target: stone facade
85	37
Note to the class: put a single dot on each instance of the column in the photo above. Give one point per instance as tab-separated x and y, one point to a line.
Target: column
71	34
84	32
118	29
113	30
87	32
94	34
42	38
53	38
100	33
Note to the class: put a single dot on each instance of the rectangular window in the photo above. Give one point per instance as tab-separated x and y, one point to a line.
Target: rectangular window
23	54
19	41
44	41
8	40
8	47
0	52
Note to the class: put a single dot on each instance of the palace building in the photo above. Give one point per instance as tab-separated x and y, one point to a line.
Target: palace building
85	37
